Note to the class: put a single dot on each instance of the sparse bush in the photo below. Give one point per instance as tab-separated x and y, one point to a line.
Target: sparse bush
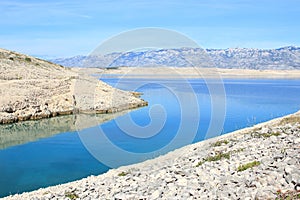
271	134
217	157
238	150
28	59
265	135
71	195
219	143
123	174
248	166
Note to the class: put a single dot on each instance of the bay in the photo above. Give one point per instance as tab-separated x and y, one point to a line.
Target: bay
58	150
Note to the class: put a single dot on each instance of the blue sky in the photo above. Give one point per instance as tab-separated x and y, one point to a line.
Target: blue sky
60	28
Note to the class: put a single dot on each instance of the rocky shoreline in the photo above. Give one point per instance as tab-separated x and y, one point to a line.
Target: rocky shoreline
260	162
32	88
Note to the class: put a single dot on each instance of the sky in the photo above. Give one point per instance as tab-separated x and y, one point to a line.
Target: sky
64	28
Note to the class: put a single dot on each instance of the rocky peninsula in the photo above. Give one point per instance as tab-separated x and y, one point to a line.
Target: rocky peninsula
32	88
260	162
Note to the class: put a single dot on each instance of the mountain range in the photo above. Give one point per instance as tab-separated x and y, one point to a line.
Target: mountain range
238	58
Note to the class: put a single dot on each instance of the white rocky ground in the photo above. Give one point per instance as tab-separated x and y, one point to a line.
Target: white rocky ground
262	162
31	88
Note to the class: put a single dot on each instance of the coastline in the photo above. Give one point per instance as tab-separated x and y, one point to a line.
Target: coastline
188	173
191	72
33	89
85	95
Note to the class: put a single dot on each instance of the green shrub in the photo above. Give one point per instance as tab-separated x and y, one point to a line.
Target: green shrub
238	150
217	157
28	59
71	195
270	134
123	174
248	166
265	135
219	143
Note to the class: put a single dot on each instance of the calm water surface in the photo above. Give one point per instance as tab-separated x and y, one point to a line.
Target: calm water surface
50	152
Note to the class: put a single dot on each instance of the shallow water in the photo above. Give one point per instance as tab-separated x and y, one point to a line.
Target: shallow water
51	151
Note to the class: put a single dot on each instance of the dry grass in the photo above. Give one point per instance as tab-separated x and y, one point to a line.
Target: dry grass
290	120
288	195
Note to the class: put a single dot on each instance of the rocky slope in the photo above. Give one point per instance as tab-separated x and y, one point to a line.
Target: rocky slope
240	58
31	88
262	162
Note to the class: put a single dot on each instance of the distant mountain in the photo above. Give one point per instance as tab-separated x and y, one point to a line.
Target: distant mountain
282	58
242	58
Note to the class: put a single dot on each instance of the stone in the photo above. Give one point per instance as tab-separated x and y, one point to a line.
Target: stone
264	130
169	180
182	182
265	193
155	195
295	179
8	109
288	170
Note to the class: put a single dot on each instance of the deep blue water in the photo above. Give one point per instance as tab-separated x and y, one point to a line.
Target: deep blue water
173	122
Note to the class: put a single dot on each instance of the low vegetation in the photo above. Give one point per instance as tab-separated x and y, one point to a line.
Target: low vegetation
248	166
238	150
290	120
123	173
28	59
290	195
220	143
71	195
217	157
264	135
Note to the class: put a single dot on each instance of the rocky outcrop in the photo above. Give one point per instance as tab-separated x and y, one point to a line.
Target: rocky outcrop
31	88
262	162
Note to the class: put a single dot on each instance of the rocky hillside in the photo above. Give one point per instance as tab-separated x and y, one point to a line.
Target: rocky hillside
240	58
31	88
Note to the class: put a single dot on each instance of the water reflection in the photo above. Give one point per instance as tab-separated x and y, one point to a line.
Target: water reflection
28	131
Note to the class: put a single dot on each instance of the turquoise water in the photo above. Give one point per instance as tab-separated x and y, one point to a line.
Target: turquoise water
62	157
